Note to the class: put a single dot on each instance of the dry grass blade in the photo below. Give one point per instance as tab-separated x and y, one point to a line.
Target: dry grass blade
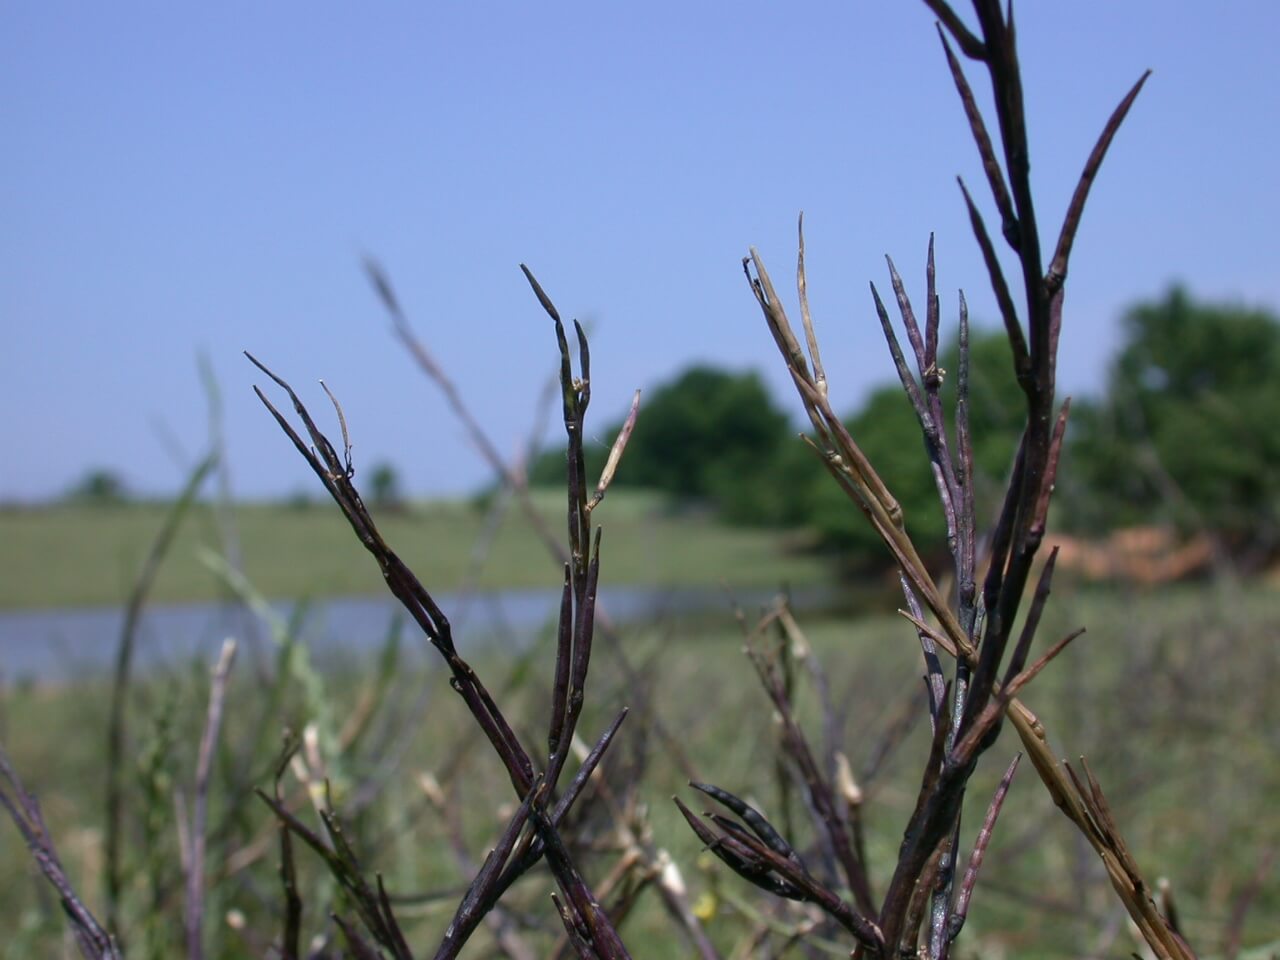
806	318
848	464
615	453
1126	879
204	764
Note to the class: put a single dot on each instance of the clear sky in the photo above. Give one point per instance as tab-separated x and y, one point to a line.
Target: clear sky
178	178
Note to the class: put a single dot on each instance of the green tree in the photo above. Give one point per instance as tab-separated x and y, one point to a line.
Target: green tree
99	487
707	435
384	486
1187	430
710	436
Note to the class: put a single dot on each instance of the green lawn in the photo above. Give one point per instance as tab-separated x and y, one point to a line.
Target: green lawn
78	555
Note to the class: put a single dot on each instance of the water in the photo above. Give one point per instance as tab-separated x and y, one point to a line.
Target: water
69	644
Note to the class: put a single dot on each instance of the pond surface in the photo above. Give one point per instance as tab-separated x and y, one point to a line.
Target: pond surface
69	644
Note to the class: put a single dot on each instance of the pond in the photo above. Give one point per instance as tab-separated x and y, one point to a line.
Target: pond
67	644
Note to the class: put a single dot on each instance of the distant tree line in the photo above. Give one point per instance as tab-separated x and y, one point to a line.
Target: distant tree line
99	486
1184	433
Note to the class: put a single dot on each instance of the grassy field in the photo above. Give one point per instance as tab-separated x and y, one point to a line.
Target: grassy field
1170	695
79	555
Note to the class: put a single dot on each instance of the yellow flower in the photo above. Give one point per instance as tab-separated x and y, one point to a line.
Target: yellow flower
705	908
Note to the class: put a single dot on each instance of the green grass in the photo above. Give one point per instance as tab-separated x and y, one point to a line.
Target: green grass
78	555
1170	695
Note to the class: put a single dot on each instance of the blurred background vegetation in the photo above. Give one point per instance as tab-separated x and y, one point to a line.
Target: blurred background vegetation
1181	441
1183	436
717	490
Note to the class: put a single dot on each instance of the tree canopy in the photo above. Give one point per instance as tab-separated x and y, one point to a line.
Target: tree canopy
384	486
99	486
1184	432
709	435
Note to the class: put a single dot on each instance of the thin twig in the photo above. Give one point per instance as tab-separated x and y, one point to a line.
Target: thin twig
514	481
200	807
93	941
1244	902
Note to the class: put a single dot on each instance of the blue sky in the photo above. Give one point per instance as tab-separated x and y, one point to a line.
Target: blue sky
181	178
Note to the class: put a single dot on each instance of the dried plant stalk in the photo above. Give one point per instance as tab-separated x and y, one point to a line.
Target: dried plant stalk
512	857
966	712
